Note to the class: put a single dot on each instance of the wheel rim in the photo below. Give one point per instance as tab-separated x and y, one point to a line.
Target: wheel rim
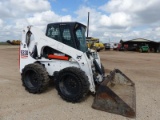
69	85
31	79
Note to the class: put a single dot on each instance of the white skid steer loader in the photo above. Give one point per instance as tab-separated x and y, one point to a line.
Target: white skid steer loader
62	55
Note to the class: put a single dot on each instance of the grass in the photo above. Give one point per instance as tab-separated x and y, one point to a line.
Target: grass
4	43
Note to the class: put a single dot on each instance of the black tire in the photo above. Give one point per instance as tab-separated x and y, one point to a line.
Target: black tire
72	84
35	78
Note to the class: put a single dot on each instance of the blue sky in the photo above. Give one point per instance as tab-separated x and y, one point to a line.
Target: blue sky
109	19
69	7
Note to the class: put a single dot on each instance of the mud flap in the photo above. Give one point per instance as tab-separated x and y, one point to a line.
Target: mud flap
116	94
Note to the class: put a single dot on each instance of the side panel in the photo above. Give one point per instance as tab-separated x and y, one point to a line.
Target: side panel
56	65
25	57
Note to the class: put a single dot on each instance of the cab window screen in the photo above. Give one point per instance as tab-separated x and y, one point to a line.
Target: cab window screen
81	40
66	35
54	32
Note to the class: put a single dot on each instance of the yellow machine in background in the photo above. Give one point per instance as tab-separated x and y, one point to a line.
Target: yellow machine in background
93	43
14	42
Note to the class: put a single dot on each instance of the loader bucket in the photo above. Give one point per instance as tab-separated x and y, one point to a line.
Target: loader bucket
116	94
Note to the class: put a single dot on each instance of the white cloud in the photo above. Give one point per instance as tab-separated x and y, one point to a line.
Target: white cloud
39	20
1	23
128	5
64	10
157	30
22	8
141	11
42	19
119	19
20	13
31	5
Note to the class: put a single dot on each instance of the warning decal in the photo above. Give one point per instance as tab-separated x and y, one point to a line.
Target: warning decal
24	53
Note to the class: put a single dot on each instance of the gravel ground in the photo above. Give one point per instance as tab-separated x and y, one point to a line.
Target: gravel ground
18	104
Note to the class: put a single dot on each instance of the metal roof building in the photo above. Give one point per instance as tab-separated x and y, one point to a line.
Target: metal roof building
134	44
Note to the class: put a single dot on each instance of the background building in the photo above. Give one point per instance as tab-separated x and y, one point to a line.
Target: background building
135	44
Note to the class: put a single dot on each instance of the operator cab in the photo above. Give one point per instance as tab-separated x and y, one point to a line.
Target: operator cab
69	33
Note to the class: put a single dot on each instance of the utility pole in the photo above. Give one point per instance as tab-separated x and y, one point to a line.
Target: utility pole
88	25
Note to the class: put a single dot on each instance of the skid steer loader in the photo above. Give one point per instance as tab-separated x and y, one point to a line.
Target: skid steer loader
62	55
